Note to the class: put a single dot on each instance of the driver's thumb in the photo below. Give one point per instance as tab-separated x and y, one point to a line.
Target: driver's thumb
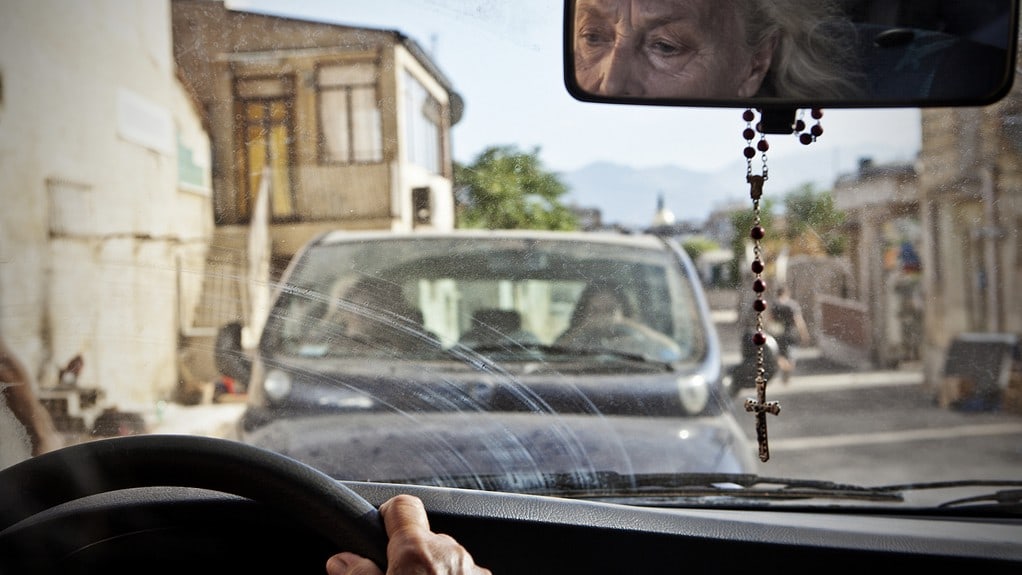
351	564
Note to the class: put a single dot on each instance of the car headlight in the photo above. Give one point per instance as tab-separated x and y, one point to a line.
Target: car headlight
277	385
694	393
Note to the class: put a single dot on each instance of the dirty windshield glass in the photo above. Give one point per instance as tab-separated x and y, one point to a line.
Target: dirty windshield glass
382	238
406	297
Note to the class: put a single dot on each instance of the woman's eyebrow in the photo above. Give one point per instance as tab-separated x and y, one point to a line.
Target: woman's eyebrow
660	16
669	12
665	20
592	11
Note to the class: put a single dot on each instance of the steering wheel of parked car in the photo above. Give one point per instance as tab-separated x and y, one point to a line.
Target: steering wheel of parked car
620	335
288	486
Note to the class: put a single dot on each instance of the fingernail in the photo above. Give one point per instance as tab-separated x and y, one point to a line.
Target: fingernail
336	566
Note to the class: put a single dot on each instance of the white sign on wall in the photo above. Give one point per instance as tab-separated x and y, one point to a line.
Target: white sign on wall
145	123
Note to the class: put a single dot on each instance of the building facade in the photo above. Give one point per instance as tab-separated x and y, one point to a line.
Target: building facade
971	208
350	126
314	127
107	197
881	319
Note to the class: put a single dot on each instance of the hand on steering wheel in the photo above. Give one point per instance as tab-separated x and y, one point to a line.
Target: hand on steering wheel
288	486
413	548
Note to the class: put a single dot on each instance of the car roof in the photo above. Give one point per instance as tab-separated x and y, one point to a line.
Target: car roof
640	240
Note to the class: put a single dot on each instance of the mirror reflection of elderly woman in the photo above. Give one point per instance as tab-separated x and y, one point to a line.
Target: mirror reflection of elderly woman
709	49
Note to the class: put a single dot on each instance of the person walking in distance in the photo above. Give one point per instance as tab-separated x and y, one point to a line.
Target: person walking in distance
791	330
26	428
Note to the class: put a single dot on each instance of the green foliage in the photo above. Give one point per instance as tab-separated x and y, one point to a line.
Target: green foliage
811	215
696	247
506	188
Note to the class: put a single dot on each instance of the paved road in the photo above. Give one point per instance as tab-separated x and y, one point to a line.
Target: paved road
880	428
874	427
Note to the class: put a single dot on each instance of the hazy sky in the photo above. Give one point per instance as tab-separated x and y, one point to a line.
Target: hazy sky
504	57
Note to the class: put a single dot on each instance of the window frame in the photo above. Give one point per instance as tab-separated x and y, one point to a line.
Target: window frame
323	155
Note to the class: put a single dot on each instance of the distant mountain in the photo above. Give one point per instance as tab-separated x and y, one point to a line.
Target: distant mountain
628	196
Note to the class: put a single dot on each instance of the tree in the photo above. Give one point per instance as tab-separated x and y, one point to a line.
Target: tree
813	221
698	246
506	188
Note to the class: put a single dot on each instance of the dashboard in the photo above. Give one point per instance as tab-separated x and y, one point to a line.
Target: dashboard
196	531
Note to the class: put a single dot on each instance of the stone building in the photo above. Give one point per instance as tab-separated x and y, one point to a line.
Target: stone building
314	127
970	181
937	247
106	192
878	320
353	123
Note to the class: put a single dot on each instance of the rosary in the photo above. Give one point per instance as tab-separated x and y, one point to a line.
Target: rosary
759	405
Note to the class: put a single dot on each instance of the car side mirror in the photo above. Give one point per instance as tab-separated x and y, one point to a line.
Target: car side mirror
229	356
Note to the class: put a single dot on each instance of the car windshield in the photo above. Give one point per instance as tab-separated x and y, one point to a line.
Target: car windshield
382	238
514	299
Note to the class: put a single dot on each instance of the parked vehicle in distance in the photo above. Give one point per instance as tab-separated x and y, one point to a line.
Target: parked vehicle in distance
608	335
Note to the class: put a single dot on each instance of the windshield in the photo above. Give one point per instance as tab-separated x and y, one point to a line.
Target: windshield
512	298
383	238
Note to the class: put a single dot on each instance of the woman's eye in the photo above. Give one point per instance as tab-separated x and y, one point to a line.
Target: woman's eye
594	37
664	48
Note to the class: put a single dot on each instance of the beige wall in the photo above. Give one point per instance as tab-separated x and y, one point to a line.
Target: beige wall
410	175
95	223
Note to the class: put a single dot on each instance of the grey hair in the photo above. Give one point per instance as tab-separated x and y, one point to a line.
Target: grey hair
814	58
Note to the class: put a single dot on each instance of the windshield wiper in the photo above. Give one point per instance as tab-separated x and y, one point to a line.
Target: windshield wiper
668	488
1005	498
672	485
754	486
613	485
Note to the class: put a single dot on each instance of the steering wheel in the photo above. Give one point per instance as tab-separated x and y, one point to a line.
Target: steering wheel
288	486
624	336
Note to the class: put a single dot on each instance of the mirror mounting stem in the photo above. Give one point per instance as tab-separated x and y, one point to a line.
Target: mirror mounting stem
777	120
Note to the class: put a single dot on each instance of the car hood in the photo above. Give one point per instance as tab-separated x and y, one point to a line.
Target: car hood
506	451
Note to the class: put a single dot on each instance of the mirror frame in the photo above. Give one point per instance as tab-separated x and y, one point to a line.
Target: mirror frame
783	105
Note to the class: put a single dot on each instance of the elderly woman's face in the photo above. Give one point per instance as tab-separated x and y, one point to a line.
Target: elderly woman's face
665	48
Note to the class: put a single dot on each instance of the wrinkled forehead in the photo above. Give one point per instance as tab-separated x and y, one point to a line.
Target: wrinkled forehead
718	15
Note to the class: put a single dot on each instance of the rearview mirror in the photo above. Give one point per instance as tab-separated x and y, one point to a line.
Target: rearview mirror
790	54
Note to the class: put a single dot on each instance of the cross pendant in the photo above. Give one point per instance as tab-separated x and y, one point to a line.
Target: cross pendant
761	407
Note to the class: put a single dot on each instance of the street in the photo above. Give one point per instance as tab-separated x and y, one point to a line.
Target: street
827	428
